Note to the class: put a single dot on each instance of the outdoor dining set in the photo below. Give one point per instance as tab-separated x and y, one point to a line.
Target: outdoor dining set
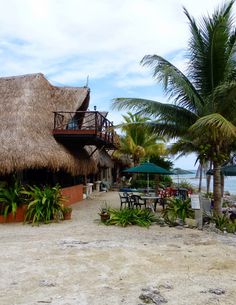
151	200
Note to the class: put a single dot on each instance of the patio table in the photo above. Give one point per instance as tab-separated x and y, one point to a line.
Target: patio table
151	201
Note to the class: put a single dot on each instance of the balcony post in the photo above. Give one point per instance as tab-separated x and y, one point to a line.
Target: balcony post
55	114
96	122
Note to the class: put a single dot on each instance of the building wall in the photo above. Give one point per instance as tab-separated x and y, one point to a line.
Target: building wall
73	194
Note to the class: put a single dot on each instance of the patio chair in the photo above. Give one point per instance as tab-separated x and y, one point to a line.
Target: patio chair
137	201
125	200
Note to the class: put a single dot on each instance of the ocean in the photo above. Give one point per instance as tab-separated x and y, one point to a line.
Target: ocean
230	182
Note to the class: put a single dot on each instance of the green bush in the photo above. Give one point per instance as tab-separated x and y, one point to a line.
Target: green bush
126	216
165	181
44	204
11	197
185	184
177	208
142	183
223	223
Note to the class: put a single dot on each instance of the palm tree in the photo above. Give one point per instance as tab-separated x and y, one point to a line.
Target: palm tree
139	140
204	99
185	146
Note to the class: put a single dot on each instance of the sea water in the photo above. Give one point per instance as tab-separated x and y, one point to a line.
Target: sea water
230	182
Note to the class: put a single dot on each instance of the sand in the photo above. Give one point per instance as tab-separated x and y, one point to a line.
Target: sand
83	262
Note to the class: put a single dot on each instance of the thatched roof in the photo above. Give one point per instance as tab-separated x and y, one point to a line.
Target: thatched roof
26	124
104	159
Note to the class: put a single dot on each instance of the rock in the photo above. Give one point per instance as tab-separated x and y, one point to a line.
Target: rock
46	283
166	286
152	295
218	291
179	227
45	301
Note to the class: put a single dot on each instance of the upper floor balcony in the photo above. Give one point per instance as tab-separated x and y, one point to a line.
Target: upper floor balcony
84	128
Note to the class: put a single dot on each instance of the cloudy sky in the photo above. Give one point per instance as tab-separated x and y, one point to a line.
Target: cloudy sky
70	41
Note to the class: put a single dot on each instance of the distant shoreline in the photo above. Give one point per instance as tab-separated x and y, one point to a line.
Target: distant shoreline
230	182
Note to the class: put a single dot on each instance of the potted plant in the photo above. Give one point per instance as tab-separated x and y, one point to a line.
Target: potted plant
67	211
104	213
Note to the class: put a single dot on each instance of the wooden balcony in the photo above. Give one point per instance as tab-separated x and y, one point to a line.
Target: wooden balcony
82	128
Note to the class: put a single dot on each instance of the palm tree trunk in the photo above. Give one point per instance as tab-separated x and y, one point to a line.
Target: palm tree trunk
222	181
217	188
200	178
209	179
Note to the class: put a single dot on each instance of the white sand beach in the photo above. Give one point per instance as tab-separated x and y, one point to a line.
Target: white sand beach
83	262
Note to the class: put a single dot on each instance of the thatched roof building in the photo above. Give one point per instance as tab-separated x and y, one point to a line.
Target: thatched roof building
26	124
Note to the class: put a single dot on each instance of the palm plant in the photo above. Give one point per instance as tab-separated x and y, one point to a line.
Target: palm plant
44	204
177	208
187	145
139	140
11	197
204	104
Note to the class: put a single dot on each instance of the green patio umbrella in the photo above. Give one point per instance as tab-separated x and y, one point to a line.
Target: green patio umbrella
227	170
148	168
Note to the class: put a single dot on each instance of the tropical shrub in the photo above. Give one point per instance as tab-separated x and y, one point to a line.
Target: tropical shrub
177	209
185	184
126	216
142	183
11	197
165	181
224	223
44	204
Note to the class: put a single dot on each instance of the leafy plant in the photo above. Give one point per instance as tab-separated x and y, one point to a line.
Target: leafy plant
177	208
185	184
220	221
224	223
231	227
45	204
10	197
208	195
126	216
142	183
66	210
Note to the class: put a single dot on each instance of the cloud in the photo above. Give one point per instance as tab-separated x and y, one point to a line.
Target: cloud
70	39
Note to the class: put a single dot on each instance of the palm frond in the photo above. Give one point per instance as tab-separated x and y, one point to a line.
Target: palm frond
134	104
211	50
176	85
224	100
215	126
159	111
182	147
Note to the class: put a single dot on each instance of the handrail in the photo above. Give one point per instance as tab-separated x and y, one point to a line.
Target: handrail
85	120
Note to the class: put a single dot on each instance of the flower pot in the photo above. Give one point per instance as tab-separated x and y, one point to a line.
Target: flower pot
104	217
67	215
18	217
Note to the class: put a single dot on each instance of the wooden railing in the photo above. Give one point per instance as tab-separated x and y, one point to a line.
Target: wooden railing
85	123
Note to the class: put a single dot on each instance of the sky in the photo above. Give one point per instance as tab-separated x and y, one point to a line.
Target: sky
99	43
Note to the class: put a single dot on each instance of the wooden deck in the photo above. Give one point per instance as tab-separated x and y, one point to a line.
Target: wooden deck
84	128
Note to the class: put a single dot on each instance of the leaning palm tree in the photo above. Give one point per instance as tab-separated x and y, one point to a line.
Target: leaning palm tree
204	98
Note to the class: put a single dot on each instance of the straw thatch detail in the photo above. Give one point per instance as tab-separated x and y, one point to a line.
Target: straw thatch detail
26	124
104	159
